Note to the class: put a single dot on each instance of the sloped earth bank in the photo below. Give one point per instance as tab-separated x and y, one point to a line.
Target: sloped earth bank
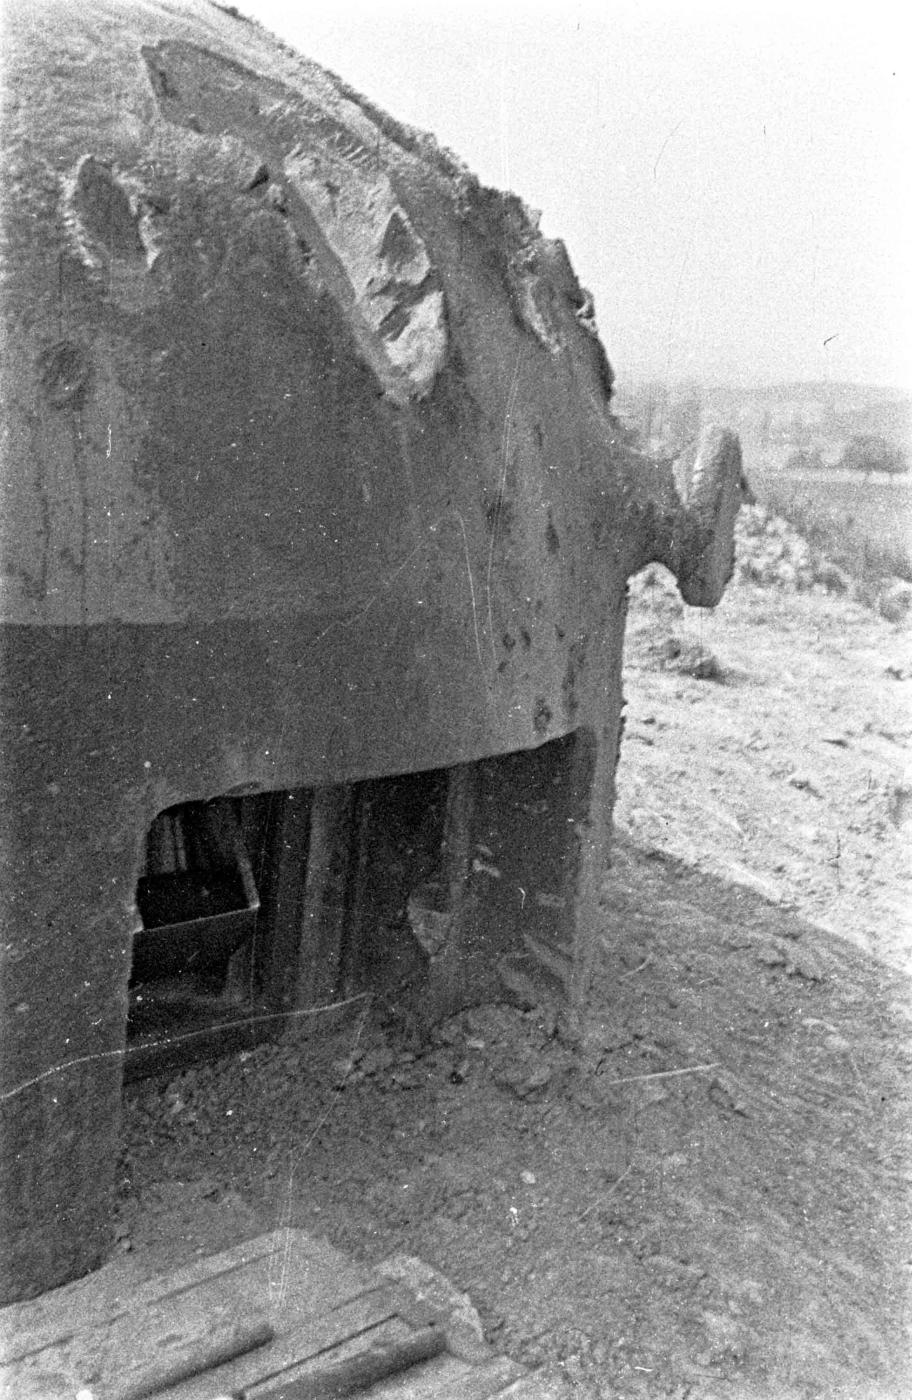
708	1198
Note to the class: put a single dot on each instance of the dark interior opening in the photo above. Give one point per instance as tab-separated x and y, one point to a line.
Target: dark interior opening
258	905
196	896
196	957
419	889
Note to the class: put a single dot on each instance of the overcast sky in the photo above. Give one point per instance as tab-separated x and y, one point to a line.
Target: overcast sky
733	185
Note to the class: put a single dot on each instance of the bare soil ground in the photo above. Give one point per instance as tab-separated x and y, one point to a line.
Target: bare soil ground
710	1196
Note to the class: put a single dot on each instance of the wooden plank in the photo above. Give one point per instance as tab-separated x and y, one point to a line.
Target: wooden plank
452	1379
462	782
323	912
182	1358
161	1339
536	1386
322	1342
282	898
177	1338
335	1324
172	1351
356	1365
359	916
309	1273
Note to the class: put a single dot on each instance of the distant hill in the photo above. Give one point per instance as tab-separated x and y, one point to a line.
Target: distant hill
817	389
794	414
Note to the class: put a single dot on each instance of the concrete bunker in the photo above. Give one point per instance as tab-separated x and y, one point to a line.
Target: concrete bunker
317	532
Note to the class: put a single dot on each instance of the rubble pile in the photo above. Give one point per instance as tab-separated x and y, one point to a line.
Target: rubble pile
772	553
769	551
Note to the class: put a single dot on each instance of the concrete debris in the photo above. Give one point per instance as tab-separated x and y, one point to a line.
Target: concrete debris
770	552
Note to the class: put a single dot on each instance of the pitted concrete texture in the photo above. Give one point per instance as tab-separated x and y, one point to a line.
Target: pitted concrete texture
310	477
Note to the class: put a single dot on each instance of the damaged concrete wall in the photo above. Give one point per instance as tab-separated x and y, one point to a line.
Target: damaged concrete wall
309	475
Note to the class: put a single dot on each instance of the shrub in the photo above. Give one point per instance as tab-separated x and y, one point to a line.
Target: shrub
869	452
805	459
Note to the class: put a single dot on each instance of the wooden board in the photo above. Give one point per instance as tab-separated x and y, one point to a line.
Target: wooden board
283	1312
